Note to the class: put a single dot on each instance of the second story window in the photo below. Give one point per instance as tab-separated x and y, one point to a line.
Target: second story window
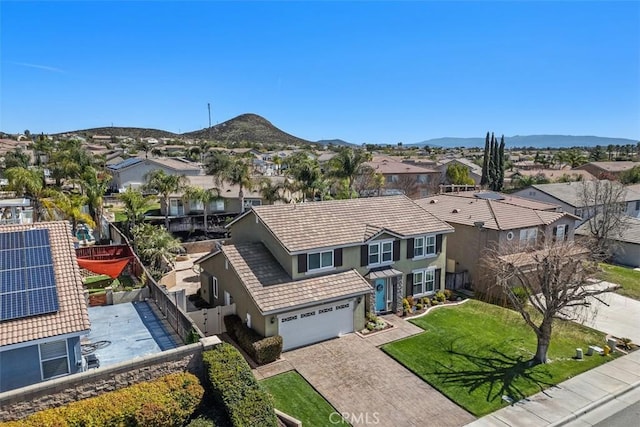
560	232
320	260
380	252
424	246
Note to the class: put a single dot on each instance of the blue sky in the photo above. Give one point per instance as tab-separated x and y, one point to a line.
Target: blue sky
379	72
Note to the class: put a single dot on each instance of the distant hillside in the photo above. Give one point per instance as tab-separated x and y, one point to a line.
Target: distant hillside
123	131
246	127
536	141
335	142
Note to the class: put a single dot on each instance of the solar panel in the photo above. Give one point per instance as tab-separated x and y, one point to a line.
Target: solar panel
125	163
27	280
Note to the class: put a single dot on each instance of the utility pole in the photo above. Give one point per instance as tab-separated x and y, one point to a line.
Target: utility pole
209	108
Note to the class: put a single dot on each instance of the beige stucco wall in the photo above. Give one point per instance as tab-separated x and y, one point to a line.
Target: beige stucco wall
247	230
229	281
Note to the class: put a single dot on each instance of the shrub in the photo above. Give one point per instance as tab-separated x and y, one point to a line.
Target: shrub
419	306
521	294
435	302
426	301
235	387
410	301
440	296
370	326
201	422
448	294
232	323
267	349
371	317
167	401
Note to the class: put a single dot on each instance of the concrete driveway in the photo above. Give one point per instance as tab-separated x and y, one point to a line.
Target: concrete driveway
613	314
371	388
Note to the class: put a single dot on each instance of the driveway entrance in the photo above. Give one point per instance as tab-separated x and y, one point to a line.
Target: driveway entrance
370	388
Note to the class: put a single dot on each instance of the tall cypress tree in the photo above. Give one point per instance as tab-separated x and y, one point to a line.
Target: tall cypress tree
485	162
501	165
491	167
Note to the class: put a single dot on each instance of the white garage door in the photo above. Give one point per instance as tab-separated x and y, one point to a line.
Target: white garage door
315	324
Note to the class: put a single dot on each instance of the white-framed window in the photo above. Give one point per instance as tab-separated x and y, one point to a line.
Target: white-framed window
176	207
561	231
424	281
217	205
380	252
54	359
214	286
319	260
196	205
528	234
424	246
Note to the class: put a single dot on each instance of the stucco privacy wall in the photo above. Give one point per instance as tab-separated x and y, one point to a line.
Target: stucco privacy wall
20	403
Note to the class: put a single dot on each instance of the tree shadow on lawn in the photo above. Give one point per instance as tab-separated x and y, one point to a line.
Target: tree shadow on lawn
500	372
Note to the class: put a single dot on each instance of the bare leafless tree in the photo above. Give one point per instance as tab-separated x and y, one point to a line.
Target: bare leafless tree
603	204
407	184
368	182
543	284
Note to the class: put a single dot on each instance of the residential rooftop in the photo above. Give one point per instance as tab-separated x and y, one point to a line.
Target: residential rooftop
273	290
303	226
72	315
613	166
630	234
388	166
571	192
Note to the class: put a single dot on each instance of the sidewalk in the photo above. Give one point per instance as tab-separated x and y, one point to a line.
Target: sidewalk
569	401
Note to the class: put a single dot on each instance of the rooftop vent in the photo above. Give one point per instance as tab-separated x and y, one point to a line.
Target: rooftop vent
433	201
456	210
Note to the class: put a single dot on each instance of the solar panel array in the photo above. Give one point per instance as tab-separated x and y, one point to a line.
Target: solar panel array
125	163
27	280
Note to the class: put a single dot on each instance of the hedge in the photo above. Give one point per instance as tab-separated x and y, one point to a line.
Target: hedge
167	401
235	387
262	350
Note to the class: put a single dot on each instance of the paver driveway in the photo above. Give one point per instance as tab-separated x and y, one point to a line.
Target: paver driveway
359	379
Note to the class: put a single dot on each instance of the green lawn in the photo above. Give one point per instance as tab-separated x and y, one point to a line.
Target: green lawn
293	395
476	352
626	277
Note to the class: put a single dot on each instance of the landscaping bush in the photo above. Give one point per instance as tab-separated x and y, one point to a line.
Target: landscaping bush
235	387
440	296
262	350
521	294
168	401
201	422
448	294
419	306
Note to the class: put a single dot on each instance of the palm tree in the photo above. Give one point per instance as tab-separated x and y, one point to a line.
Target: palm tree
155	245
307	174
41	146
234	171
135	206
205	196
30	183
94	185
165	185
271	192
70	206
348	164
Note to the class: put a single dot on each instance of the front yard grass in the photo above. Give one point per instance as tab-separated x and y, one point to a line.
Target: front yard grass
476	353
626	277
294	396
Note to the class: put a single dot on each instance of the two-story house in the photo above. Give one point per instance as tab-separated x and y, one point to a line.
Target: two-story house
407	178
570	196
310	271
486	220
130	173
43	312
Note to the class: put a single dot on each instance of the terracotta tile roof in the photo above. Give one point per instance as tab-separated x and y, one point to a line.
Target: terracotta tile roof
612	166
388	166
273	290
226	190
496	215
533	257
556	174
174	163
72	316
303	226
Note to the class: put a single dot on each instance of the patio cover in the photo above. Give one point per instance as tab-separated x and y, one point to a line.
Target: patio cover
383	274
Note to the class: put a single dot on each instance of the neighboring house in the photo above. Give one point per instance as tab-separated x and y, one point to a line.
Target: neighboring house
16	211
488	220
568	195
626	247
555	175
607	169
405	178
43	311
131	173
475	171
188	215
310	271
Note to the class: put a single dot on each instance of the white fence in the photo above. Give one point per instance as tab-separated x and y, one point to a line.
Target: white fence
210	320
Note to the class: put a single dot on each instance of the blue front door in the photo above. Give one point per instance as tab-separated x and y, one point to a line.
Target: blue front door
381	294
